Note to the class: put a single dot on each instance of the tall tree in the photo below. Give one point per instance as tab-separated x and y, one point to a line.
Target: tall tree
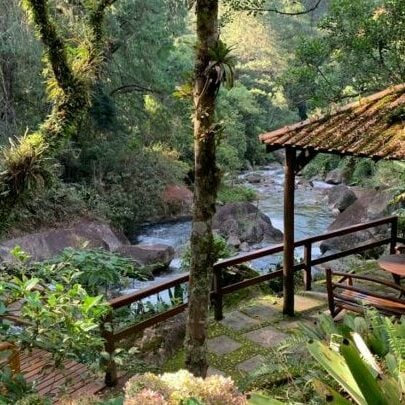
207	80
71	70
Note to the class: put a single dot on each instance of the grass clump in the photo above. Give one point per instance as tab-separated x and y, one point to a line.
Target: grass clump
229	194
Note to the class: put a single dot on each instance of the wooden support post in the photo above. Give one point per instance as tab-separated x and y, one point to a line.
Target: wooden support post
308	267
111	378
288	269
394	235
218	312
329	287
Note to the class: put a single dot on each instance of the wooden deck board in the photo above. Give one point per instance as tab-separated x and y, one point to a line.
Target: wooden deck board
74	380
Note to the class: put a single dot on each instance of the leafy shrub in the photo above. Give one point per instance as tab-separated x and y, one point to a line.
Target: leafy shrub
62	319
321	165
57	204
229	194
13	387
180	387
33	399
60	316
363	170
97	270
221	251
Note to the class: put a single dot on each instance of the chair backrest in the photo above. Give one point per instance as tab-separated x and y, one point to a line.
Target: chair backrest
343	294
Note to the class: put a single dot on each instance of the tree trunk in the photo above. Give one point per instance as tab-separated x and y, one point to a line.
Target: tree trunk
205	189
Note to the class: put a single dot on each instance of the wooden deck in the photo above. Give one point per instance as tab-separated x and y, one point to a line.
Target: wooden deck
72	381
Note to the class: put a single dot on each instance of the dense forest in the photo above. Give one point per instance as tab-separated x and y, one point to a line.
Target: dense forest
287	68
118	117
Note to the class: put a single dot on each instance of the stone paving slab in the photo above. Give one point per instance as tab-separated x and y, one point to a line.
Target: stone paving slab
237	321
303	303
262	312
214	371
222	345
287	326
252	364
266	337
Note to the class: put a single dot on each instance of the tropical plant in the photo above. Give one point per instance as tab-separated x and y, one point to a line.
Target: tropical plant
222	62
221	250
59	315
364	355
97	270
13	387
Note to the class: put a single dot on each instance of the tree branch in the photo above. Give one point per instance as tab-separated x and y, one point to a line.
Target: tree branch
127	88
54	44
277	11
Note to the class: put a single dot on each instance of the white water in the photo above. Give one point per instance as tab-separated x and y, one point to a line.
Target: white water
312	217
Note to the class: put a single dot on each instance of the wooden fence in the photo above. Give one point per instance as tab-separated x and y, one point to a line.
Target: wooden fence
112	337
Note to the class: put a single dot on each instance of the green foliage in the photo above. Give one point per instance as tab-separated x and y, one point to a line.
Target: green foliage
24	166
228	194
363	170
321	165
33	399
222	62
363	355
221	250
13	388
359	49
60	315
96	270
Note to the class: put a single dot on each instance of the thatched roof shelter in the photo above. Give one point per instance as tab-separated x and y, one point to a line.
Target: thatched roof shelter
372	127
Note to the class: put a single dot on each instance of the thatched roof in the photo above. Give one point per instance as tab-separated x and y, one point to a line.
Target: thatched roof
372	127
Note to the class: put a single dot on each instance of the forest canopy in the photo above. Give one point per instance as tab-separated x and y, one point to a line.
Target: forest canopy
138	119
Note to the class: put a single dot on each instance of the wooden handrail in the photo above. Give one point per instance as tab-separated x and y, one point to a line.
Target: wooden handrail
219	290
128	299
302	242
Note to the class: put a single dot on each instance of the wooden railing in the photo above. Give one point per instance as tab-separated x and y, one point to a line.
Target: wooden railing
112	337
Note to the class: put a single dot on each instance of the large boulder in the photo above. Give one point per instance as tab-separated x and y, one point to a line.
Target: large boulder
254	178
244	222
157	257
178	200
341	197
335	176
369	206
45	245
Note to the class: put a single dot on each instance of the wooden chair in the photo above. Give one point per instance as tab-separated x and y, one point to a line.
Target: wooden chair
13	359
343	294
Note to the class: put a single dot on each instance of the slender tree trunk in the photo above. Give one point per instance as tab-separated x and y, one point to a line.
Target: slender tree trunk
205	189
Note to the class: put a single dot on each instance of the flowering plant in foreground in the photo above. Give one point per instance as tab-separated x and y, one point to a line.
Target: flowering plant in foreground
177	388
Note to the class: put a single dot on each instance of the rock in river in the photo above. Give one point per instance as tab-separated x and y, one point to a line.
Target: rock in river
157	257
44	245
370	205
244	222
341	197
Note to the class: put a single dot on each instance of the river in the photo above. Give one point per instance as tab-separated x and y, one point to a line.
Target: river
312	217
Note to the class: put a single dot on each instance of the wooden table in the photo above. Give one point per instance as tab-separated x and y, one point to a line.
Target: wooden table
394	264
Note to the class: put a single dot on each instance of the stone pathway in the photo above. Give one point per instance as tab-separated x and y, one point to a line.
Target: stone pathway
244	340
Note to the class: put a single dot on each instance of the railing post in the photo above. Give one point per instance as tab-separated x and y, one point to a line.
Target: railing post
329	288
111	377
217	294
308	267
394	235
